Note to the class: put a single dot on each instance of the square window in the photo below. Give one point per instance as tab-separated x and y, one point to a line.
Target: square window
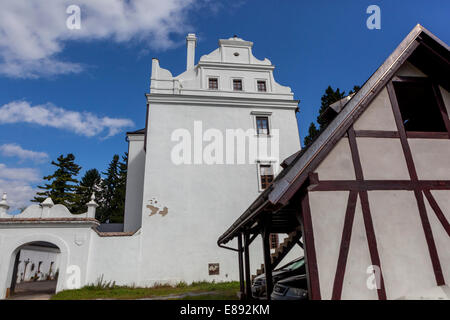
262	125
237	85
262	86
213	83
418	107
266	172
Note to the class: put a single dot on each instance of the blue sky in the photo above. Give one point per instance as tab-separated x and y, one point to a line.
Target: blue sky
104	69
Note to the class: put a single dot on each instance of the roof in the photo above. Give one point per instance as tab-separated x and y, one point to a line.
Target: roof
419	41
140	131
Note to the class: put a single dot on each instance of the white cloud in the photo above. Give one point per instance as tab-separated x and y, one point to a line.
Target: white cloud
14	150
17	183
82	123
33	32
19	193
19	174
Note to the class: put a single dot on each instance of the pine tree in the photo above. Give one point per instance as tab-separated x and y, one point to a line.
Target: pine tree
90	183
312	133
63	185
112	202
330	97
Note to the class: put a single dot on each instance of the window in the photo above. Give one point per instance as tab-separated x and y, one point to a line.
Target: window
262	86
273	241
419	107
237	84
213	83
266	173
262	125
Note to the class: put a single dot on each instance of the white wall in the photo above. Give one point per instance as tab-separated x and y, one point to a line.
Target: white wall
135	183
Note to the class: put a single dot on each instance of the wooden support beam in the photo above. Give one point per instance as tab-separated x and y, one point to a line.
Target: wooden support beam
241	267
248	284
265	234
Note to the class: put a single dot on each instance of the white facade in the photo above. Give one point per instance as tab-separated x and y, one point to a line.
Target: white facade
174	212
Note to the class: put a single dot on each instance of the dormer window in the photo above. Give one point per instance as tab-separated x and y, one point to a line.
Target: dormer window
213	84
261	86
237	84
419	106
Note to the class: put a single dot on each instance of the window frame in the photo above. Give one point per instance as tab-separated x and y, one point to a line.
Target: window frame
232	84
217	79
259	165
256	114
440	103
265	85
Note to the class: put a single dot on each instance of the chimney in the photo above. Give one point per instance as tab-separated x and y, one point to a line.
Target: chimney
191	43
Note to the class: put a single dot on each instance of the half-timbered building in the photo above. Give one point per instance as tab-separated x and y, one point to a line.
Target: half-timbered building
370	197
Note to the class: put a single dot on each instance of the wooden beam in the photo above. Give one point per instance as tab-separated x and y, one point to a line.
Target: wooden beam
241	267
367	217
418	193
248	284
369	185
439	214
312	271
442	108
376	134
345	245
267	261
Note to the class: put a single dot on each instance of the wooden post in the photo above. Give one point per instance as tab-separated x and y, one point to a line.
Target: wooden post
241	267
248	285
267	261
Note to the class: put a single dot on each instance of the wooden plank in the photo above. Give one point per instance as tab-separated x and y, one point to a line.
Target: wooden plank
427	135
418	193
310	250
347	185
345	246
376	134
372	242
430	239
442	108
437	210
241	266
248	284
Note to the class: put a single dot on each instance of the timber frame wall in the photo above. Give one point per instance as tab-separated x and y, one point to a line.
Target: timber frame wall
360	187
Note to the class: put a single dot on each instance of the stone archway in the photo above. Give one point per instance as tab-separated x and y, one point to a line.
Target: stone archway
37	243
35	270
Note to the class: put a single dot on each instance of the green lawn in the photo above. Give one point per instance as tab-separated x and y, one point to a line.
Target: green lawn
213	291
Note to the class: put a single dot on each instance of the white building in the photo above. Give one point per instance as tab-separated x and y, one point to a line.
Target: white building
188	177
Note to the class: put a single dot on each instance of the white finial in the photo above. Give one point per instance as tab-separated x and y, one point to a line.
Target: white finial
91	205
47	203
3	204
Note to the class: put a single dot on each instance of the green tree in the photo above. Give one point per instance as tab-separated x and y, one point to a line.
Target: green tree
329	97
90	183
62	184
312	133
112	202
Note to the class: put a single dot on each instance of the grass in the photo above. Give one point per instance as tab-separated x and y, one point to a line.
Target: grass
109	290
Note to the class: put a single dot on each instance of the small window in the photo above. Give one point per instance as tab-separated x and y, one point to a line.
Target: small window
213	83
262	86
418	107
237	85
274	242
262	125
266	173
